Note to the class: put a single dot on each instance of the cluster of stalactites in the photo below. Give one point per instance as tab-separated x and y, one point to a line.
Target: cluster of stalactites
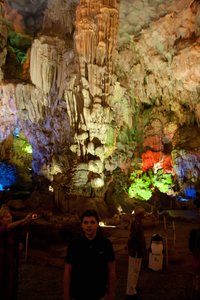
95	3
96	30
95	39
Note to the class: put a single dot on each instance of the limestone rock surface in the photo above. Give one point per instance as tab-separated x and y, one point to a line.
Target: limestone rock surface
97	85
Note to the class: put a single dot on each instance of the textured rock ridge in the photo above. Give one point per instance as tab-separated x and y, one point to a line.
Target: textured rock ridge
101	88
95	41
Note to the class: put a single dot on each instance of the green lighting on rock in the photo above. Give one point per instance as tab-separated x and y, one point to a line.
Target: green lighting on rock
163	181
21	144
28	149
143	183
19	43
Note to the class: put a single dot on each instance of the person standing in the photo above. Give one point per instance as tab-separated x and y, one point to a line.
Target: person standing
9	252
194	247
89	271
136	252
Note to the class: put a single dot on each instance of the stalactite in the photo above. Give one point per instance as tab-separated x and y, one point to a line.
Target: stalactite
61	22
49	61
96	36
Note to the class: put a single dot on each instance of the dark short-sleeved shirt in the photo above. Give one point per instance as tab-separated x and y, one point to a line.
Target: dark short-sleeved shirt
89	260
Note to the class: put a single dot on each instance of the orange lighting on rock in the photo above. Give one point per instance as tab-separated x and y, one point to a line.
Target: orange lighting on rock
150	158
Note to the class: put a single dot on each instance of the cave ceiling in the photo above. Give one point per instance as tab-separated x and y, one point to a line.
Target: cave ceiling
95	84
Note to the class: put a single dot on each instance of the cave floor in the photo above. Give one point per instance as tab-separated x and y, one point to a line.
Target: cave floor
41	274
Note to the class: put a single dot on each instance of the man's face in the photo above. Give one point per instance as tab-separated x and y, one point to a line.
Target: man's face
89	226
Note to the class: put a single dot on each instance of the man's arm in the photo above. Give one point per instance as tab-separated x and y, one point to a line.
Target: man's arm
111	281
67	281
24	221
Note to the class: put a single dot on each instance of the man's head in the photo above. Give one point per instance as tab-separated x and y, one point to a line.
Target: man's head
139	212
90	223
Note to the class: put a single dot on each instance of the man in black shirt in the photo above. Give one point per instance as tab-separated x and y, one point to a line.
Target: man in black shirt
90	264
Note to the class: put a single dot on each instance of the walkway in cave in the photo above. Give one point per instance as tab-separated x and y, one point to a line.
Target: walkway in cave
41	276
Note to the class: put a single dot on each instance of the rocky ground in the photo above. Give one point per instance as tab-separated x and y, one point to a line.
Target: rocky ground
41	275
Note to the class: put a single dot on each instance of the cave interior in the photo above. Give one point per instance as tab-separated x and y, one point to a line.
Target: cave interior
99	105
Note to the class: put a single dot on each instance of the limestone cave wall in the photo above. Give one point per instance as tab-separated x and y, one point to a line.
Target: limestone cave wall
99	87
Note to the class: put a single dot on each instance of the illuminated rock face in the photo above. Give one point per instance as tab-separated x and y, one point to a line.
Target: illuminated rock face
64	110
103	82
96	38
49	63
88	108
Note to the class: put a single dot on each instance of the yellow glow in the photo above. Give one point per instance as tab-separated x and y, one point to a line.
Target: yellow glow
102	224
28	149
50	188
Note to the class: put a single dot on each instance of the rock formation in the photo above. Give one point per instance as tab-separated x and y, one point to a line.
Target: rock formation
99	88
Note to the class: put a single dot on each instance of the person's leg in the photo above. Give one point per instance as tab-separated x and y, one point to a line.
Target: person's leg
134	266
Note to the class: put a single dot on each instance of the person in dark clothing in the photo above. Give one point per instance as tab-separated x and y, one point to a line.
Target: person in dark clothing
194	247
9	253
136	252
89	271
